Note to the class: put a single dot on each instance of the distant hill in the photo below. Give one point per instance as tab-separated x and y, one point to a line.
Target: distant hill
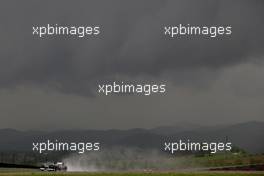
249	136
180	127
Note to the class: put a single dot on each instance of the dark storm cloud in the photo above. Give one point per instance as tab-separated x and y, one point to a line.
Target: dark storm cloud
131	43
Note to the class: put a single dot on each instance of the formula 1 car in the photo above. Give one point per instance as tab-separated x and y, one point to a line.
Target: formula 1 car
58	166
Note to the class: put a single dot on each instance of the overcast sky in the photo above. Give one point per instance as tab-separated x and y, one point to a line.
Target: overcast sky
51	83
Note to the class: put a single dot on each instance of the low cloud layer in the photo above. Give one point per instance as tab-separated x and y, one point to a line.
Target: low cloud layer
131	47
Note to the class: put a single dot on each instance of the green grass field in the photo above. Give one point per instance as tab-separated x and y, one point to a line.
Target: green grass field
195	166
133	174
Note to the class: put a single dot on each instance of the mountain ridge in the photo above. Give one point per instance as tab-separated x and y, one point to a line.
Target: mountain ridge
247	135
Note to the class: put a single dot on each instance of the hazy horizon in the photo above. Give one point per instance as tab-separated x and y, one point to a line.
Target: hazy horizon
185	125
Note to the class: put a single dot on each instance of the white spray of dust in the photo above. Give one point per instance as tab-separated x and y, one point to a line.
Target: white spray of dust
81	163
124	159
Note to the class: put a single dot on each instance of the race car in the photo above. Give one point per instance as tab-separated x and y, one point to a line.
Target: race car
58	166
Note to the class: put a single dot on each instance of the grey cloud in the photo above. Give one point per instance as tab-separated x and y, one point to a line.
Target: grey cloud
132	43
